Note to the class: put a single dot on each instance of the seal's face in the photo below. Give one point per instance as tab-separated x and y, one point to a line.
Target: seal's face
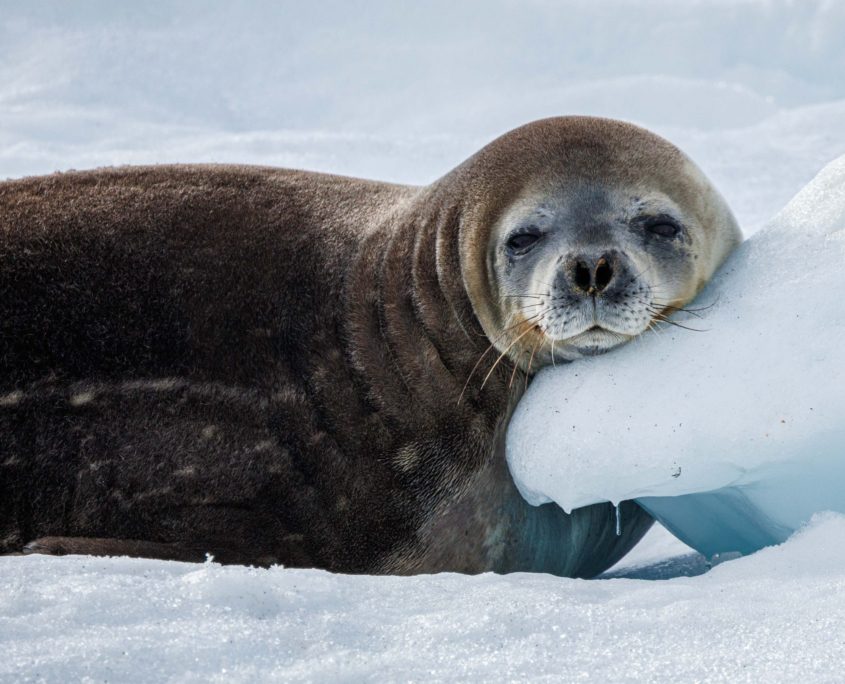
588	264
592	267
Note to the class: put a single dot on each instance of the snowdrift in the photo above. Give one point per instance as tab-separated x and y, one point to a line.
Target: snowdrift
731	436
772	617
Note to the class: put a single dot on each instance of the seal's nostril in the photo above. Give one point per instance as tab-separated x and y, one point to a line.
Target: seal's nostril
591	276
582	276
604	274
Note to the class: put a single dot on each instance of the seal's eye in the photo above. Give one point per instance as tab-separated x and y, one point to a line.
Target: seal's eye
663	227
522	242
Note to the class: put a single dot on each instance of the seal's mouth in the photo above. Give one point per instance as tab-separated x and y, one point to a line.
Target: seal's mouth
596	340
577	325
598	331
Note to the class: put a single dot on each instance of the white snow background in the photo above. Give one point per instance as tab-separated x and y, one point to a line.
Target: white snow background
753	90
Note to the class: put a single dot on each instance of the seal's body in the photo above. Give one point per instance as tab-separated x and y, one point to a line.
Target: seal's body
273	366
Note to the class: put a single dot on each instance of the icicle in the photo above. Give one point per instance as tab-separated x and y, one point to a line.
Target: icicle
618	522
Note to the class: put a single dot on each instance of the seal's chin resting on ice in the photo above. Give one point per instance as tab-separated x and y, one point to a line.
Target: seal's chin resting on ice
595	341
275	366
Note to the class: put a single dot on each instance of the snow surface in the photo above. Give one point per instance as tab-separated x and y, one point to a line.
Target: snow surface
754	406
750	89
777	616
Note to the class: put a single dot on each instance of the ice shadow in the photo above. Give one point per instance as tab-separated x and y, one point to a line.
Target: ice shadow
688	565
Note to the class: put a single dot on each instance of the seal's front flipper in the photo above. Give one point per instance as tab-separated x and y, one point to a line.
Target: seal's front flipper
92	546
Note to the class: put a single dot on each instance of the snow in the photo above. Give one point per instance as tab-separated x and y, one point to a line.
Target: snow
775	616
750	89
752	410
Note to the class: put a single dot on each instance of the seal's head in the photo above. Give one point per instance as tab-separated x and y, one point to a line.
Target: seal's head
593	229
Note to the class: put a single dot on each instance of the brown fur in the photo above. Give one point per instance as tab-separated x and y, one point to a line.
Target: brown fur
271	366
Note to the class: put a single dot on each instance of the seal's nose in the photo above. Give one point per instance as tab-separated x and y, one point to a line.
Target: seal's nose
591	275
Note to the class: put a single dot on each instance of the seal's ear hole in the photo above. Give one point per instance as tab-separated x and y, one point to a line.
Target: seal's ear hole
520	243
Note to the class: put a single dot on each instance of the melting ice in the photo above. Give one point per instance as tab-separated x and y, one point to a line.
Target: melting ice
732	437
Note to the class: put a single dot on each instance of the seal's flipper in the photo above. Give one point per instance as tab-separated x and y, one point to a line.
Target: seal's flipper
134	548
91	546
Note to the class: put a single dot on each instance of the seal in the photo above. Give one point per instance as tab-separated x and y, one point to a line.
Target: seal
274	366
